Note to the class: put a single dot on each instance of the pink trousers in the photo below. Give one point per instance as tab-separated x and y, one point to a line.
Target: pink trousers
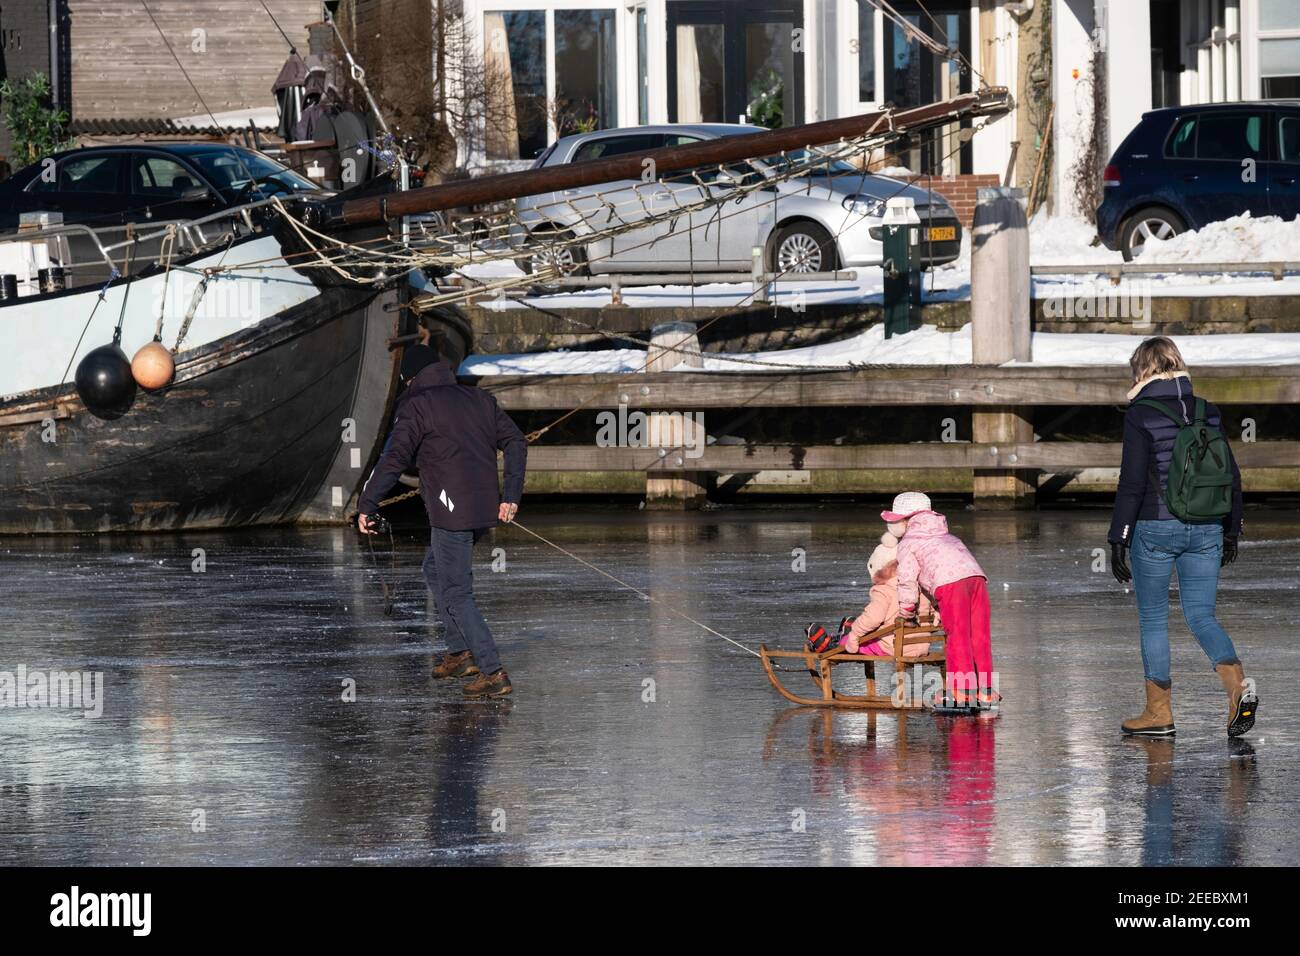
964	607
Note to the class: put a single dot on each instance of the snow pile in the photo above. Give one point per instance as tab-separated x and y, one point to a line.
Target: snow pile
925	346
1066	241
1239	239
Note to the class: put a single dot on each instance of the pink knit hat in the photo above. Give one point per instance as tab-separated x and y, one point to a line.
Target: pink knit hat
906	505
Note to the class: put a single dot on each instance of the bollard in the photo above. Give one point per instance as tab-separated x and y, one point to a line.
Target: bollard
901	262
673	344
759	275
1000	333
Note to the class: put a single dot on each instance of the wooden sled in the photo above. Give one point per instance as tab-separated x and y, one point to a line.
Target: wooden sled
820	668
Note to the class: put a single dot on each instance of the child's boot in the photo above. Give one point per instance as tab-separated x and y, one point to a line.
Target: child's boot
1242	703
819	642
1157	718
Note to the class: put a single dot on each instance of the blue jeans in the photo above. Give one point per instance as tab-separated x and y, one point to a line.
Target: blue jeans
1195	550
449	571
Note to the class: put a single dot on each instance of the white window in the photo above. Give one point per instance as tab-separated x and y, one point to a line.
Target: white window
1277	56
550	73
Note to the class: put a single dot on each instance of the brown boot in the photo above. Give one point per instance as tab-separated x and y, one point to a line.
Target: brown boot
456	665
1157	719
1242	704
489	685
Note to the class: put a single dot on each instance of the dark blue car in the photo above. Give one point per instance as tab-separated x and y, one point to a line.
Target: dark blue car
1186	166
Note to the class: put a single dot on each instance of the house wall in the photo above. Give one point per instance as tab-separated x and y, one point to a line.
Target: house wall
24	50
121	69
1126	39
1072	90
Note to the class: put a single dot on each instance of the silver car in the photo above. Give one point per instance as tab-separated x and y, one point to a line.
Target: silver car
815	223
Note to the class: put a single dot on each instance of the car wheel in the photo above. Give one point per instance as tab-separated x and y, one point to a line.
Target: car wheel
554	248
1146	224
802	247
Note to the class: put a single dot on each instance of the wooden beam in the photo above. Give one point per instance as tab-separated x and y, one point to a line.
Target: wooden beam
923	455
963	385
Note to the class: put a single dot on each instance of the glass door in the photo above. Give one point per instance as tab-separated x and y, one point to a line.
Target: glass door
915	76
734	63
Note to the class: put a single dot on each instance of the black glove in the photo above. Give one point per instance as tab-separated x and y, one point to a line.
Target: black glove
1229	552
1119	564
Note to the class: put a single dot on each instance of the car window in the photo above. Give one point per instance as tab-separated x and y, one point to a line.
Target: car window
731	175
157	176
1234	136
677	139
617	146
1288	139
1182	145
229	169
87	174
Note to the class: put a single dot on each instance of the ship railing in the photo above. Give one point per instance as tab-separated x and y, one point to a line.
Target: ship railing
105	251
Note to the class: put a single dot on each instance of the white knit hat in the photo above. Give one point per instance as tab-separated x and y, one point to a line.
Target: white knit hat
906	505
885	552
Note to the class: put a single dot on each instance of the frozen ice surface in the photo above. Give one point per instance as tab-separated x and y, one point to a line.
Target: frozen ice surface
224	735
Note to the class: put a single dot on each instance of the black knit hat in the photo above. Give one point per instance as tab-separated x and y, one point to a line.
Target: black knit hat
415	359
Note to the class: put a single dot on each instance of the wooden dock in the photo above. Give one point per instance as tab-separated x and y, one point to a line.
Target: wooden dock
1266	465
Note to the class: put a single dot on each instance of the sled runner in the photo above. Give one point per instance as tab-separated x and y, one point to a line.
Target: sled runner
909	671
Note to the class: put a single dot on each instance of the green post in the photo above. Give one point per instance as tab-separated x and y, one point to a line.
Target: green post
901	261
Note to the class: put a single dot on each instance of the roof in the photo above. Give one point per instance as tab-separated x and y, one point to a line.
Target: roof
151	126
1226	106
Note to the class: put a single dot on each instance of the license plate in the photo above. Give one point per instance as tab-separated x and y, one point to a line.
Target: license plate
942	233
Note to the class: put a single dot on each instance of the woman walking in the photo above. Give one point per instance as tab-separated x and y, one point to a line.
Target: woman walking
1178	507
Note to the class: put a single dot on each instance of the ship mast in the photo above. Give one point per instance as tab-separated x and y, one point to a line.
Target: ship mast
990	101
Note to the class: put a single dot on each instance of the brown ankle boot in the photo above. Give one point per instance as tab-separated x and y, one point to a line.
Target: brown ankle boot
1157	719
489	685
1242	704
456	665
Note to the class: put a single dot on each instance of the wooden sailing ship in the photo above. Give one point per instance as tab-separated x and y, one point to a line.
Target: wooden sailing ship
278	404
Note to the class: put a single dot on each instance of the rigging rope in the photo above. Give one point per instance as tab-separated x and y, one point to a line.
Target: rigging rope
617	580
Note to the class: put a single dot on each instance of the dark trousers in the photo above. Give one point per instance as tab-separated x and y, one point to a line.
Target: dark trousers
449	571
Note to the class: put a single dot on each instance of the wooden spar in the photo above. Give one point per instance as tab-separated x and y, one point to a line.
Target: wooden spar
994	101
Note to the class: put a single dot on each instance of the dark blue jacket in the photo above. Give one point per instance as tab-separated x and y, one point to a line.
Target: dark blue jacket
451	433
1148	446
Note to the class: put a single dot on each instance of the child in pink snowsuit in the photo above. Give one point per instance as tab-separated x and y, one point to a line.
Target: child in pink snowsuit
930	557
882	608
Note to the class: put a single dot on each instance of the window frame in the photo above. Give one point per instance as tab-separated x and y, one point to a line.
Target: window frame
1266	150
620	13
34	185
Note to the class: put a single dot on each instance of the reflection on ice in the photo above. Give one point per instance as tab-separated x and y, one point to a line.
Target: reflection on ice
229	733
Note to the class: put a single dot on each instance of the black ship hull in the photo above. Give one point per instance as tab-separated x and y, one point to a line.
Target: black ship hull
277	423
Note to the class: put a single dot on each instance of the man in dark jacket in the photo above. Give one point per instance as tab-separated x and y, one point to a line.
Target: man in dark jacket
452	432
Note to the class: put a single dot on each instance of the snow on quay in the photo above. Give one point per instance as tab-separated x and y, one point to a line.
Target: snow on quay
926	346
1053	241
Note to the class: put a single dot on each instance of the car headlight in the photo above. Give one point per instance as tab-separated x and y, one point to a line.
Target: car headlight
864	205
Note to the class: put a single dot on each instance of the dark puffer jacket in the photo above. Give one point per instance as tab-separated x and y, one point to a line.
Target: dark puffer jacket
1148	447
452	433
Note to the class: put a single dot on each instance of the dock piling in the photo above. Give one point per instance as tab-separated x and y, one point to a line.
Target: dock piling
1000	333
673	344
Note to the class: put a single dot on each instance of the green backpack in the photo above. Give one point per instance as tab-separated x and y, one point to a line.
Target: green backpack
1200	469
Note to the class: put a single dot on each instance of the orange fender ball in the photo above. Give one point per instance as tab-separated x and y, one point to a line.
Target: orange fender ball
153	366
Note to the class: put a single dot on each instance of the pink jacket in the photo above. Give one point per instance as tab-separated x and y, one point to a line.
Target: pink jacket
882	609
931	557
